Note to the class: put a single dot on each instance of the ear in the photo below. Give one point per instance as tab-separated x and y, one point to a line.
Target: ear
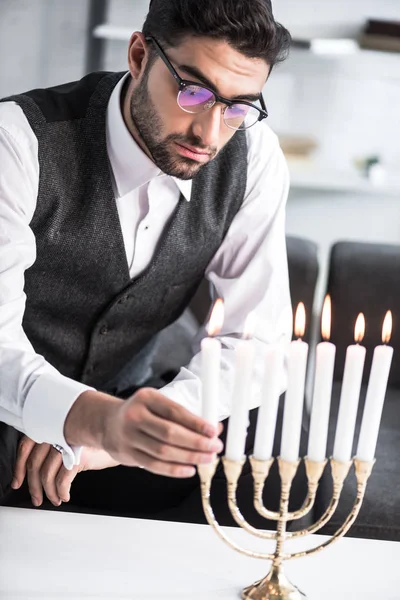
137	54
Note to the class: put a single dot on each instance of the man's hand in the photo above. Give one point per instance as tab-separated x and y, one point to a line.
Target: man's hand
42	465
148	430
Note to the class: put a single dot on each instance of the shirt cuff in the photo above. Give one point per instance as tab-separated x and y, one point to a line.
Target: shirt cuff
46	407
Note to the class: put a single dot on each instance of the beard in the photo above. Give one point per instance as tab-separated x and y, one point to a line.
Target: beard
162	149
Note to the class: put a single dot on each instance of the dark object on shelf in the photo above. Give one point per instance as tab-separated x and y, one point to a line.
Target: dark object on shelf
381	35
301	44
385	28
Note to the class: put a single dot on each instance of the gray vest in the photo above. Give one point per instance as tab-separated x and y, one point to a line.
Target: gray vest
84	313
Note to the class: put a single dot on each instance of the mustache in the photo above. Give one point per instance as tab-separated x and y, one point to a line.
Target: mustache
194	141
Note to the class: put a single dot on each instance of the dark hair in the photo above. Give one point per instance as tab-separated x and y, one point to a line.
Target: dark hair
247	25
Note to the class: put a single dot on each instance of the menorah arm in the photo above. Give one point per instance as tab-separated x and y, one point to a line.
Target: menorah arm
232	472
206	474
314	472
339	473
260	470
363	472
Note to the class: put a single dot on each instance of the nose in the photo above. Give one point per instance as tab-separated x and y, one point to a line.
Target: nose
208	126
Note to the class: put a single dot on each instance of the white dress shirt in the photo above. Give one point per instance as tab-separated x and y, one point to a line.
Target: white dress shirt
249	271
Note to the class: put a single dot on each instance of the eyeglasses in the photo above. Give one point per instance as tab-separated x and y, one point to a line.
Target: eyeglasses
195	99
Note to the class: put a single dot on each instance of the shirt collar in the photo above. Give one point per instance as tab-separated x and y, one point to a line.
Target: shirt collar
131	167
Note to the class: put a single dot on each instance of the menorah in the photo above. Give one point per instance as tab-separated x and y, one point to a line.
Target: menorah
276	586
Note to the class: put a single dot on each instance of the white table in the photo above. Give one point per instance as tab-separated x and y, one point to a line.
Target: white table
51	555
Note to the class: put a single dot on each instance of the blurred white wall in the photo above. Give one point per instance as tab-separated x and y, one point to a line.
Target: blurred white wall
42	43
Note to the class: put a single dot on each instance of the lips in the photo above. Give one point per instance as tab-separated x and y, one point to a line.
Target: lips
195	150
193	153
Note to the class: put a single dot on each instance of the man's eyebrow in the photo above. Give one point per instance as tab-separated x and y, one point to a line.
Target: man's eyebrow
195	72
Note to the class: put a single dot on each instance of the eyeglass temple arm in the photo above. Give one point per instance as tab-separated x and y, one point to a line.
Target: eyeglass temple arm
162	55
263	106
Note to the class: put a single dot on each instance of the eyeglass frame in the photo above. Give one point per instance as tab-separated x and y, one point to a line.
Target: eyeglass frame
183	83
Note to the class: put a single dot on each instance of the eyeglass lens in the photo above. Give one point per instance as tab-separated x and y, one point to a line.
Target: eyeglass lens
196	99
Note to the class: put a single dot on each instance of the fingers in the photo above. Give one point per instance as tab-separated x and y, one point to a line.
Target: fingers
25	447
174	435
33	466
171	411
63	482
50	468
166	452
163	468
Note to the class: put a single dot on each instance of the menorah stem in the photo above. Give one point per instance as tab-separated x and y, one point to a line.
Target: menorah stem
275	586
281	529
287	472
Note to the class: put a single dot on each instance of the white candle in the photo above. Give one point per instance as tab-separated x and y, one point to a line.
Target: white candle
349	397
210	366
210	371
239	419
325	364
294	399
267	414
375	399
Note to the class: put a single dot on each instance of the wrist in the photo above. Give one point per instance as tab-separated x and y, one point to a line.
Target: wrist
89	417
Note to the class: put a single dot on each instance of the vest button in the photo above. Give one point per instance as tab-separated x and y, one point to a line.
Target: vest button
123	300
104	330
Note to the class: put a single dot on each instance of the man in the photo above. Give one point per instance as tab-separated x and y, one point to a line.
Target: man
119	193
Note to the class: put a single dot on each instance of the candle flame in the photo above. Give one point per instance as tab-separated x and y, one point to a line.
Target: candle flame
300	320
387	327
216	319
326	318
249	326
359	330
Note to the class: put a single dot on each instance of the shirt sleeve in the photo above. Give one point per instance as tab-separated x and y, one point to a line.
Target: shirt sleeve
34	397
250	273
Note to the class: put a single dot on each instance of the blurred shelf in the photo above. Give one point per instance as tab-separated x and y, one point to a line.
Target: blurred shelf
321	47
106	31
359	62
318	178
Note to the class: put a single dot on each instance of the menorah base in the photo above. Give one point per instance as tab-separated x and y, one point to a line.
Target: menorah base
275	586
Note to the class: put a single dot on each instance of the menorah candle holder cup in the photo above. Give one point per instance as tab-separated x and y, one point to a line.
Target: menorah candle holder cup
276	586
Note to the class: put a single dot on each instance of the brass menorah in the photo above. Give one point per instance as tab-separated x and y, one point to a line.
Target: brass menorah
276	586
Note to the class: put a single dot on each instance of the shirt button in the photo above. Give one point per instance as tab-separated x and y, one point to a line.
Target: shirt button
104	330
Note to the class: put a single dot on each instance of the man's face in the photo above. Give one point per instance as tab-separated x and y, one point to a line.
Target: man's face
179	142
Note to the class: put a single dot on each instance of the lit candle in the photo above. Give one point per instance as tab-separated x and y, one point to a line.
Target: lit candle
239	419
294	400
375	399
325	364
210	365
350	395
268	412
